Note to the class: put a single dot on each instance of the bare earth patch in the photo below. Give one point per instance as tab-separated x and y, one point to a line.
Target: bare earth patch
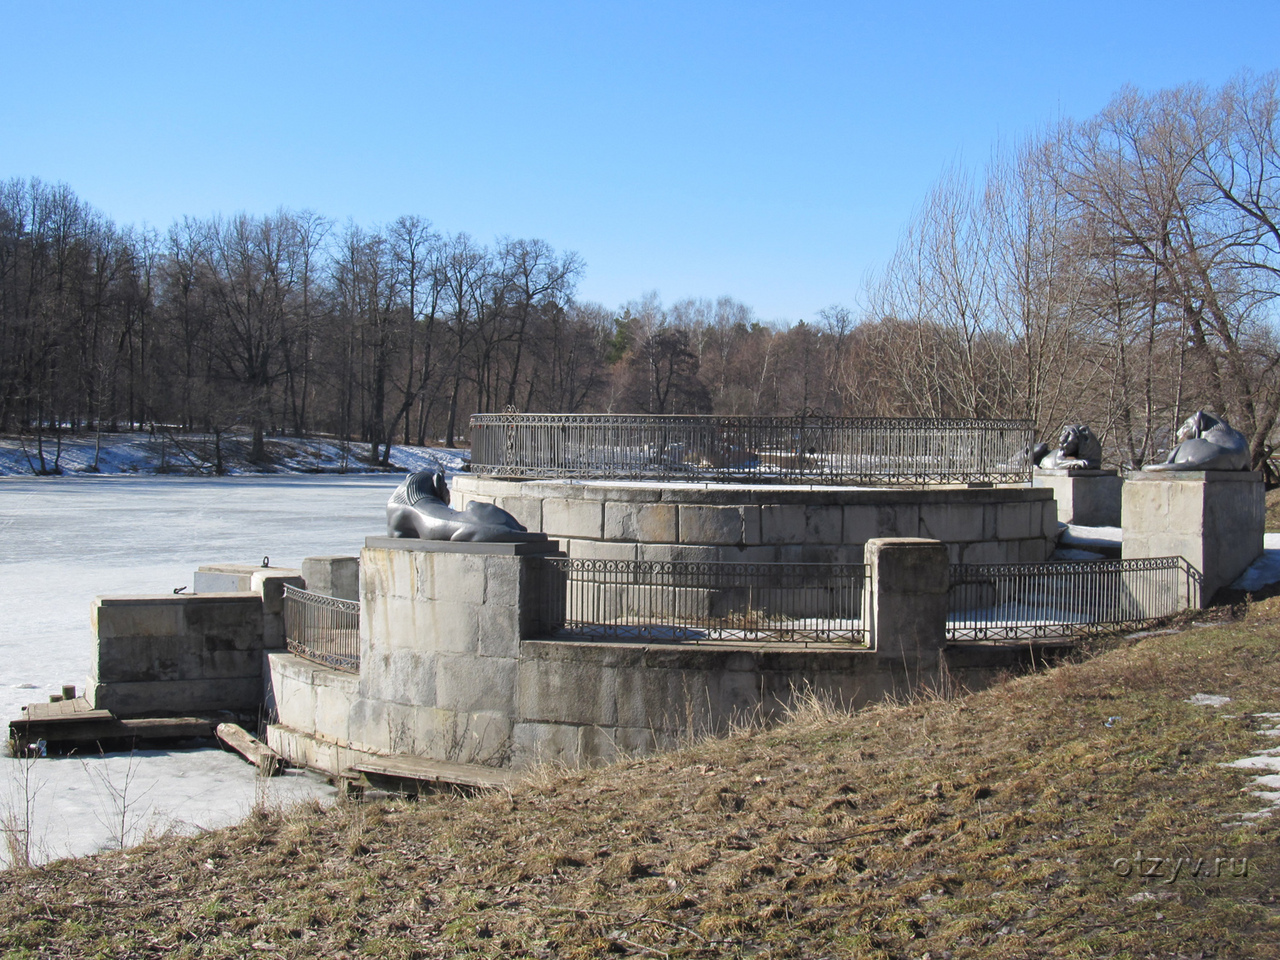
1083	811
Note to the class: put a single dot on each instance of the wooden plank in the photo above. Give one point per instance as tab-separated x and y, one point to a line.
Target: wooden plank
268	762
403	767
71	710
170	728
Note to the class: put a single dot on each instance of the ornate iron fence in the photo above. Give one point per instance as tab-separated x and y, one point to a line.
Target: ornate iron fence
1036	601
323	629
690	602
824	450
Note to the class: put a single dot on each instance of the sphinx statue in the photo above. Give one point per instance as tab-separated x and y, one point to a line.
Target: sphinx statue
419	508
1206	442
1078	449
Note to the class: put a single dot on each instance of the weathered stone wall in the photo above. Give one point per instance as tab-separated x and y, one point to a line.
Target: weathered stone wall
455	666
187	653
308	697
177	654
1213	518
767	524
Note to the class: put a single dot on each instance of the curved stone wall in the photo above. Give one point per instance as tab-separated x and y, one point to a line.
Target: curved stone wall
618	520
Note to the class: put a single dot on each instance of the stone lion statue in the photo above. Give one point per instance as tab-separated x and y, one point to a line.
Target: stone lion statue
419	508
1078	449
1206	442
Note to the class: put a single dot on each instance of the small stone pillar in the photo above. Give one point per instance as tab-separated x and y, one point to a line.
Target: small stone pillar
333	576
1213	518
269	584
906	598
1090	498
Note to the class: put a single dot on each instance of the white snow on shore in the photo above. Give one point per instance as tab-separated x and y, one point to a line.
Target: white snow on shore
142	453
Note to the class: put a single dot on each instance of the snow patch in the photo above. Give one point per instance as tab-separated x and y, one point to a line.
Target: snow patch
1265	570
1076	535
1266	787
1208	700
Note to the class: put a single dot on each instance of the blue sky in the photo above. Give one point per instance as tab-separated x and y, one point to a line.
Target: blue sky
772	152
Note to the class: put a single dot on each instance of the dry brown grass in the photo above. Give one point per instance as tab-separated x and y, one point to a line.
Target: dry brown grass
987	825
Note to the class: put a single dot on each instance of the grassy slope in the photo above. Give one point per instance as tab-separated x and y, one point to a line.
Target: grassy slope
985	825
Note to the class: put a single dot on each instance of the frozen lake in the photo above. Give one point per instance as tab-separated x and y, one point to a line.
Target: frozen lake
63	541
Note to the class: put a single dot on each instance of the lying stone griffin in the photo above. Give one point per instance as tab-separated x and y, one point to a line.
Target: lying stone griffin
1206	442
419	508
1078	449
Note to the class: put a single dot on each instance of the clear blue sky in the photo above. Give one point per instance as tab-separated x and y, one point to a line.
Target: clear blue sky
769	151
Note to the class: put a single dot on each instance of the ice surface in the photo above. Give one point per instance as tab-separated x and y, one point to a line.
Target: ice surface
65	540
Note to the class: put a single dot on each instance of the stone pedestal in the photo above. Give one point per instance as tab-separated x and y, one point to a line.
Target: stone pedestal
1213	518
440	630
1090	498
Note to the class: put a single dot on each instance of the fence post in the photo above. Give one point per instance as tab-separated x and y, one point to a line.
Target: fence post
906	598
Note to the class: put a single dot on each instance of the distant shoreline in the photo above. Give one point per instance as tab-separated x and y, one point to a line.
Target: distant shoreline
141	453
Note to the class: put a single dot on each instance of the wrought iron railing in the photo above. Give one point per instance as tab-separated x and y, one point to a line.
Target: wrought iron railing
825	450
322	629
1035	601
701	602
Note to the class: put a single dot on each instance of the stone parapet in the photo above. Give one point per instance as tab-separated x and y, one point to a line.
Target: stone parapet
771	523
455	667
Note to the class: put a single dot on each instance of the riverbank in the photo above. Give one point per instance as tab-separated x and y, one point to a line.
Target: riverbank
182	454
1083	810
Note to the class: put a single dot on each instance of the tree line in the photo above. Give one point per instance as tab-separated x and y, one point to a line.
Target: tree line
1121	271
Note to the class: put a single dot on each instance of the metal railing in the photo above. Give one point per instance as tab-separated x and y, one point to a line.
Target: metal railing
702	602
824	450
322	629
1039	601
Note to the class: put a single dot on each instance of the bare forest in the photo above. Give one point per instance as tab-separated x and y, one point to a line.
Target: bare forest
1121	271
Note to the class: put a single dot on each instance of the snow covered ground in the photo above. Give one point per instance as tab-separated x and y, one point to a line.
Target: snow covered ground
64	540
1265	570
